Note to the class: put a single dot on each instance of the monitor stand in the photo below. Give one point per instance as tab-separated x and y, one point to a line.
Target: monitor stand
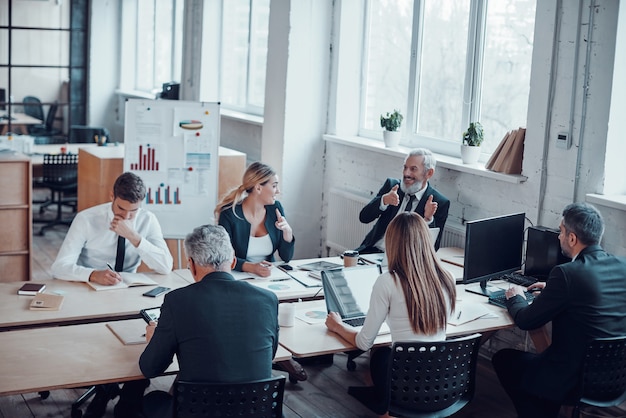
481	288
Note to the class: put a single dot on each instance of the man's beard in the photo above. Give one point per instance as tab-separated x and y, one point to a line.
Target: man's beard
412	189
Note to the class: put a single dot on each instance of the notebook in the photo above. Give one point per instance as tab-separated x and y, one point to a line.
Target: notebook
347	292
128	280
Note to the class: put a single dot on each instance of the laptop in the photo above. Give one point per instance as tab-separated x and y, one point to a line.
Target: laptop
347	291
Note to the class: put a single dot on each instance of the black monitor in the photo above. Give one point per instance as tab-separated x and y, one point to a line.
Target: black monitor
493	247
81	134
3	99
543	252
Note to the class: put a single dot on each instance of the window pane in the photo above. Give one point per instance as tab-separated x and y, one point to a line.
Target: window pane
146	44
39	14
507	62
164	18
388	53
40	47
235	27
443	66
258	52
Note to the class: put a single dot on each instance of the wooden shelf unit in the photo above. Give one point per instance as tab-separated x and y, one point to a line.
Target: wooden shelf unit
15	217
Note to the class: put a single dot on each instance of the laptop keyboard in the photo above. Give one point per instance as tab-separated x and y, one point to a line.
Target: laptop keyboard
519	279
498	297
355	322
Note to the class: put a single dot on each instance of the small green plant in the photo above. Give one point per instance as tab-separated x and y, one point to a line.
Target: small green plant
474	135
392	121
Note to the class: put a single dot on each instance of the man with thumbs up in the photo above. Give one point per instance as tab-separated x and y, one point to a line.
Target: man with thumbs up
411	193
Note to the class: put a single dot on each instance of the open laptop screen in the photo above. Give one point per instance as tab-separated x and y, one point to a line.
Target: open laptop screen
347	290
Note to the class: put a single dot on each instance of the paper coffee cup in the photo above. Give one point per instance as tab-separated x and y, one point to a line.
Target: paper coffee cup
286	314
350	258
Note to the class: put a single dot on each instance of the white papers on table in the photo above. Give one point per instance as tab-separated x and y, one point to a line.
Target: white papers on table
276	274
128	280
470	311
305	278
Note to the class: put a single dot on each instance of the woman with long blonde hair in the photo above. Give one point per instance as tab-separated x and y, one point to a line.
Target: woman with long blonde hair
416	296
255	221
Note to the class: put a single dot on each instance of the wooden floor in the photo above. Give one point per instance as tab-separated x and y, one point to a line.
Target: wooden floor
322	395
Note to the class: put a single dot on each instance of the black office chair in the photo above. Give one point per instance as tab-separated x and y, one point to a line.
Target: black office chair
426	379
47	129
33	107
603	374
60	175
261	398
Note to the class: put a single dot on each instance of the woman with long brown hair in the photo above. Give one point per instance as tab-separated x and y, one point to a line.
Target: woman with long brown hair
416	296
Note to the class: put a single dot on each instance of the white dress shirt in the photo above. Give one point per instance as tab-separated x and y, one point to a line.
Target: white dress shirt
90	245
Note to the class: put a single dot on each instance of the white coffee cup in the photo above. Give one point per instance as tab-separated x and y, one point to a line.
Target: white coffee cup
286	314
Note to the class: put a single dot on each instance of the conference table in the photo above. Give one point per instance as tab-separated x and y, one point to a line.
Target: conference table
19	123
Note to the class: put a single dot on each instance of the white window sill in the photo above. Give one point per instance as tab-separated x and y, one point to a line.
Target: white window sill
135	94
612	201
445	161
242	117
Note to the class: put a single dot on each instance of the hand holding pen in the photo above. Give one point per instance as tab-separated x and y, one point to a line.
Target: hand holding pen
107	277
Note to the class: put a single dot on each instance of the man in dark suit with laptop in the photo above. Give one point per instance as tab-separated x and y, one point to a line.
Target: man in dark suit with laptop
584	299
411	193
221	329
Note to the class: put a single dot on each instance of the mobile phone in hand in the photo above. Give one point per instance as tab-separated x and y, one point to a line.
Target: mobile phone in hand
156	291
151	314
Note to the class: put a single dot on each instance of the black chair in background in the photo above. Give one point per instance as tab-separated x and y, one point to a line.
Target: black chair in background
47	129
426	379
60	175
262	398
33	107
603	377
81	134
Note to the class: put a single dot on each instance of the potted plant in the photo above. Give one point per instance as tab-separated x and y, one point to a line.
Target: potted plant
391	122
472	138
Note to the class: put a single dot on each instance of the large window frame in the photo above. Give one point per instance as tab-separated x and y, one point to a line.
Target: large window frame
472	84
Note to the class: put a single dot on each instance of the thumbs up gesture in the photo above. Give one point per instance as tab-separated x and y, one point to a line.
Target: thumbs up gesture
392	197
429	209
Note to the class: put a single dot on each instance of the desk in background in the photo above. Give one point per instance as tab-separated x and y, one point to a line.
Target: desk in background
39	150
19	123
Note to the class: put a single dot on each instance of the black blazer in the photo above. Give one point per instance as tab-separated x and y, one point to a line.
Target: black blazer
584	299
372	211
221	330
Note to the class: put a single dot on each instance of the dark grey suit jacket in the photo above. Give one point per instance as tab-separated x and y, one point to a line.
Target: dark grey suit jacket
221	330
584	299
372	211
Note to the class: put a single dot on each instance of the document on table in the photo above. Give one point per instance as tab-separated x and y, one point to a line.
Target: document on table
276	275
128	280
470	311
305	278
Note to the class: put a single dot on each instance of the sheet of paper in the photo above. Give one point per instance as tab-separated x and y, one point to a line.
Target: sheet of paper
468	311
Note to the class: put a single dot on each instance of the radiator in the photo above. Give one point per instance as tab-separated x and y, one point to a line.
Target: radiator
453	235
344	231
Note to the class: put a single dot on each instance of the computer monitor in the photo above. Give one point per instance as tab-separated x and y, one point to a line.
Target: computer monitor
493	247
543	252
3	99
81	134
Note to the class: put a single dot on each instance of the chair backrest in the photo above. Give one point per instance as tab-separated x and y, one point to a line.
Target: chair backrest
261	398
603	375
60	169
52	113
33	107
432	378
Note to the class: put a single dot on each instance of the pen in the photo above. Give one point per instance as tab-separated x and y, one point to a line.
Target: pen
280	280
110	268
459	315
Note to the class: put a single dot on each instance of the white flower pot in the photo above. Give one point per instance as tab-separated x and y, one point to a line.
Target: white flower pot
392	138
470	154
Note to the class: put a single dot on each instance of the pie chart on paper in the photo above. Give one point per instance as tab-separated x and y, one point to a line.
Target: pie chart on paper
190	124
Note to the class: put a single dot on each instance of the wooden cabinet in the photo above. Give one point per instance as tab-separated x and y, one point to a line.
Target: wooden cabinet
98	167
15	217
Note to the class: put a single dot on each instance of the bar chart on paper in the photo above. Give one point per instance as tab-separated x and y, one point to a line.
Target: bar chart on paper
146	159
163	194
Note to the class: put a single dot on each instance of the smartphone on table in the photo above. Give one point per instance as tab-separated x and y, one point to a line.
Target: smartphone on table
153	293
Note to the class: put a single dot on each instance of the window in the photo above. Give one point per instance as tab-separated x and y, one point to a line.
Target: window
444	63
152	38
245	26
